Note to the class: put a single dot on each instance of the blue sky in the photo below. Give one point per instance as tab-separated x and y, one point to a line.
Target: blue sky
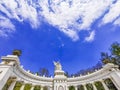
73	32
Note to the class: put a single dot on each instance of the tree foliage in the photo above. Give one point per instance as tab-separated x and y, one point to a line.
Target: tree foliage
89	86
44	72
115	49
80	87
27	86
114	56
110	84
71	88
85	71
7	85
37	87
99	85
17	85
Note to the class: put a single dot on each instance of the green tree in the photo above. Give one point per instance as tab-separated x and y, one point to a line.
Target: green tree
71	88
27	86
17	85
115	49
37	87
44	72
89	86
110	84
114	56
115	53
8	83
80	87
99	85
105	58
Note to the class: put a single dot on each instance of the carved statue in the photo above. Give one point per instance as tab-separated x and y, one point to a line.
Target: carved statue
57	65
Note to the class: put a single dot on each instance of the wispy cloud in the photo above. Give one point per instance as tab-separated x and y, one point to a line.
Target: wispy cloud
91	37
73	14
20	10
6	26
113	13
69	16
117	22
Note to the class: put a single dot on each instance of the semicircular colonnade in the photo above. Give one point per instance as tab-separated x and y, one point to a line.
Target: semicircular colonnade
13	76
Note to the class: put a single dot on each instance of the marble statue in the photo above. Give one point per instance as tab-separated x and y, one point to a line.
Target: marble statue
57	65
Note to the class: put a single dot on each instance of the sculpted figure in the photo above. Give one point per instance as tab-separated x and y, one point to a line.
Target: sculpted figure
57	65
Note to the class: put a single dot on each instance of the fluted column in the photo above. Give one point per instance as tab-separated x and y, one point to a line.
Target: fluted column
22	87
94	87
32	88
85	88
104	85
12	85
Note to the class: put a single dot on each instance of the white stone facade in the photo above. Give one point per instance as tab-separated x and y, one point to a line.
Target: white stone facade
10	68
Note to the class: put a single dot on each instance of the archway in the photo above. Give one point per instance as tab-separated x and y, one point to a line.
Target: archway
60	88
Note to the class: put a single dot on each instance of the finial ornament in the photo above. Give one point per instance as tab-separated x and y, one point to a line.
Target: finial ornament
57	65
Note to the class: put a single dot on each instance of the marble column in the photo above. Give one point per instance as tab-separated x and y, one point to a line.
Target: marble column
85	88
94	87
32	88
104	85
22	87
116	78
75	87
12	85
42	87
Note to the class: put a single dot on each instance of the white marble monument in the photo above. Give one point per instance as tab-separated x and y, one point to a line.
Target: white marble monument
10	69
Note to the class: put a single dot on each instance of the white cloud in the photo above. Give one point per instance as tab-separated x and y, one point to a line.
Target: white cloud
69	16
70	33
20	10
114	12
91	37
117	22
65	15
6	26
